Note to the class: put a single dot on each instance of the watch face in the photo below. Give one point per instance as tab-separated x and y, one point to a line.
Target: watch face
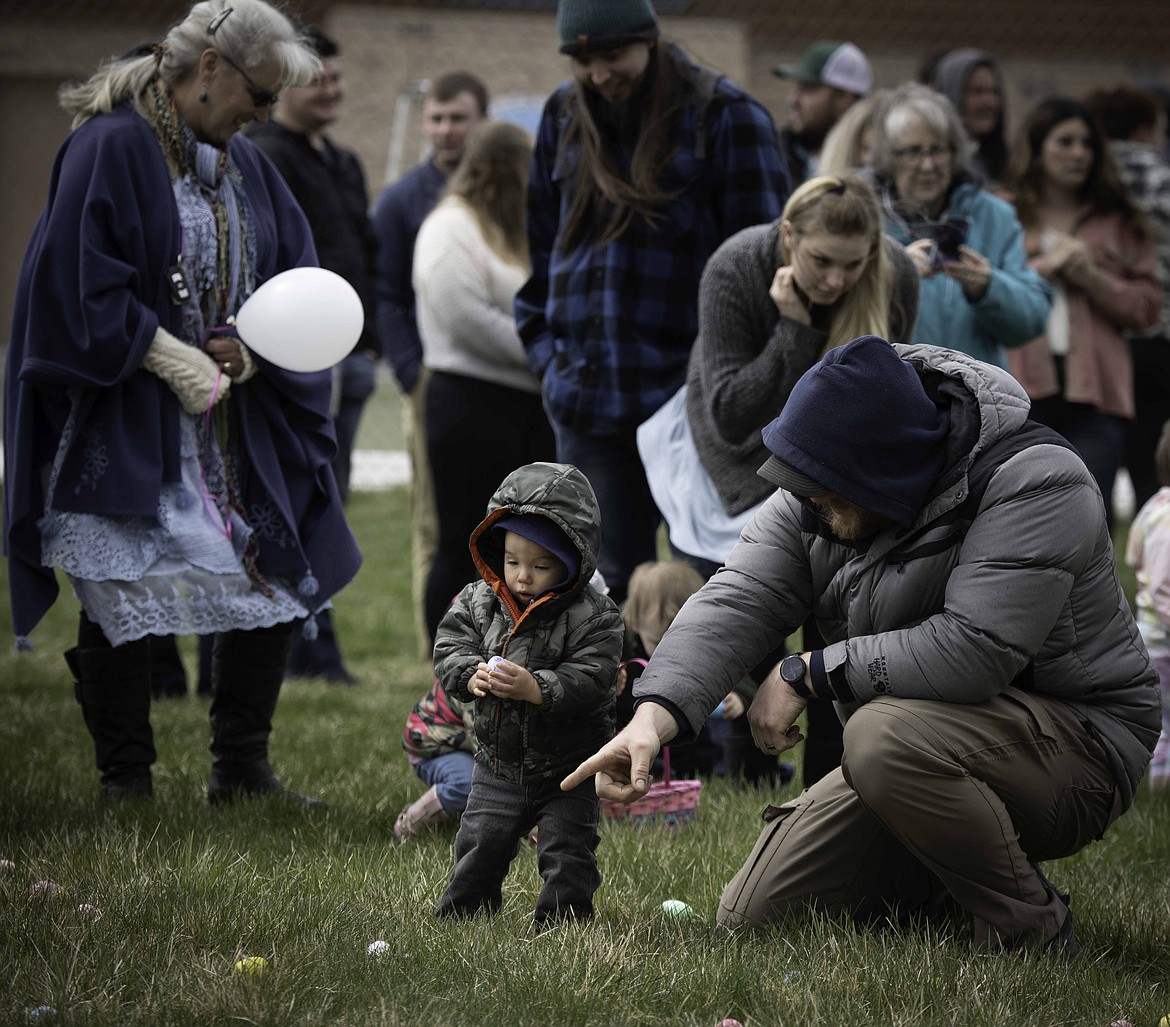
792	669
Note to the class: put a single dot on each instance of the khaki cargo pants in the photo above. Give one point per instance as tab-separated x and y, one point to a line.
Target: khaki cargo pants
936	797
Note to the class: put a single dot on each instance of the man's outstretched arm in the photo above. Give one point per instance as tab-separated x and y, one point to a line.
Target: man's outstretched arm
622	765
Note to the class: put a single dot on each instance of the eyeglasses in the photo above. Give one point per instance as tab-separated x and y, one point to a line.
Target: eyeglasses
912	156
260	97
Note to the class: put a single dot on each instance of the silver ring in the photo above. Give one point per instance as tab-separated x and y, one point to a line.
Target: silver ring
227	365
769	745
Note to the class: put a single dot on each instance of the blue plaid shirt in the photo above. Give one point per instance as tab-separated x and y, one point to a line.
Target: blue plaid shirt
609	328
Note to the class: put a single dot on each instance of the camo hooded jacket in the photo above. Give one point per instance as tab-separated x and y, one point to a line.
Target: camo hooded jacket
569	640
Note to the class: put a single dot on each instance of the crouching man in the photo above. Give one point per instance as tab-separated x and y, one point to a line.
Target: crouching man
1000	707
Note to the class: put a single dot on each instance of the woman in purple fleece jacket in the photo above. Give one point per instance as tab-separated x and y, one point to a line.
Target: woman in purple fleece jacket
182	483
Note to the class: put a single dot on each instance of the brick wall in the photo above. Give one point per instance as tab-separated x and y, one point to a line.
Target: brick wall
387	51
390	46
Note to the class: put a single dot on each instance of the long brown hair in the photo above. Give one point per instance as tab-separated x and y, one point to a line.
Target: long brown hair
1102	190
606	201
491	180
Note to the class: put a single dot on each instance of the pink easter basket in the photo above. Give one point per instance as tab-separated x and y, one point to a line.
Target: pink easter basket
667	804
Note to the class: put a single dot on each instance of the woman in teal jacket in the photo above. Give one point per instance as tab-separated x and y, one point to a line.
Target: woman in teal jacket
978	294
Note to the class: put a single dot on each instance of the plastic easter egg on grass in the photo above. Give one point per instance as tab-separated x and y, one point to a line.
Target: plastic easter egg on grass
44	889
39	1014
677	909
253	967
377	948
729	1021
303	319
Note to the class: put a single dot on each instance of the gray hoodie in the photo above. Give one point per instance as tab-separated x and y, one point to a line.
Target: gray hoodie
950	78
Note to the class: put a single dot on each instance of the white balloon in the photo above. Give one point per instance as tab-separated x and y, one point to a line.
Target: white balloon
303	319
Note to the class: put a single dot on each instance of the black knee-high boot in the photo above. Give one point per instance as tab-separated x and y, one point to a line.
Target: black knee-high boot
112	685
168	677
247	670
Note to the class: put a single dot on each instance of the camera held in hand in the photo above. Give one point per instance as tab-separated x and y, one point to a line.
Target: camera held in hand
948	236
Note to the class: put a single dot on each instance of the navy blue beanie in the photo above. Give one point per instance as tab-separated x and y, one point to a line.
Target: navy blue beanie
548	535
860	424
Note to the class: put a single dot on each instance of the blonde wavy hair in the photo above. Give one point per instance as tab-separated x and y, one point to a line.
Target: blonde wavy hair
655	594
491	180
247	32
846	205
842	150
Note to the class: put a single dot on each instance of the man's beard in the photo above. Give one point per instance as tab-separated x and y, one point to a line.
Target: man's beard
811	139
849	522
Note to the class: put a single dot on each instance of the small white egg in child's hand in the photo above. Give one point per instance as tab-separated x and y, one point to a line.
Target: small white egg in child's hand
497	662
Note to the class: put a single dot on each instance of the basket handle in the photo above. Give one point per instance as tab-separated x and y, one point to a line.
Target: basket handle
666	764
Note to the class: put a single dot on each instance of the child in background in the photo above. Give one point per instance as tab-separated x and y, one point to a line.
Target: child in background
537	649
439	740
1148	553
657	591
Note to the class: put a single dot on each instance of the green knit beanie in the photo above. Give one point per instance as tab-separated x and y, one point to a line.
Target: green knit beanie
585	25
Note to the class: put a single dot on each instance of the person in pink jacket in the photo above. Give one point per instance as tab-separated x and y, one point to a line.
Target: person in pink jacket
1083	233
1148	553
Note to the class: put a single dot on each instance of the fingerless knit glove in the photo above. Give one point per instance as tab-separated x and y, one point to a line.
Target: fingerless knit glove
189	372
250	367
249	364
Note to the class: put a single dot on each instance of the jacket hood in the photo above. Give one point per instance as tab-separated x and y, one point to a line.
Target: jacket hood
952	71
559	492
951	74
986	404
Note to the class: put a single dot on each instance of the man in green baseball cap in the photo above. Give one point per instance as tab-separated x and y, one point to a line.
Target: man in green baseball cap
829	78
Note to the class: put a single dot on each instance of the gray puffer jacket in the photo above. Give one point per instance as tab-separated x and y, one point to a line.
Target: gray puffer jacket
1016	588
570	641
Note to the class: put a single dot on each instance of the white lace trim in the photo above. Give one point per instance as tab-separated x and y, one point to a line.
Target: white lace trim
186	602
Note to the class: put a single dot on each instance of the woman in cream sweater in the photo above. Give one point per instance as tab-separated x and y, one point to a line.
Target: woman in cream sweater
484	416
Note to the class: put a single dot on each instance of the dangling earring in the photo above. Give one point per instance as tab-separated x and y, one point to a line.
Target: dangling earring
203	97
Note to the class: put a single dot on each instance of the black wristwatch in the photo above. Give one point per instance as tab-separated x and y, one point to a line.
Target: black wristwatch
792	671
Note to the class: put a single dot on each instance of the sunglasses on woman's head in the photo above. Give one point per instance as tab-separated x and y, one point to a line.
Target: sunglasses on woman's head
260	97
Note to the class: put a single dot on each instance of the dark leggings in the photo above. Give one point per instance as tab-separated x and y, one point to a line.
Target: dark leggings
1098	437
1151	395
90	634
477	434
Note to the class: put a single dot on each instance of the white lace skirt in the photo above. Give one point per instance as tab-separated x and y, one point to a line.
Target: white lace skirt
182	573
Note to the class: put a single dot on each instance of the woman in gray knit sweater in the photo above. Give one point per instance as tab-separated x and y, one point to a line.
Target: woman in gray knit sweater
773	299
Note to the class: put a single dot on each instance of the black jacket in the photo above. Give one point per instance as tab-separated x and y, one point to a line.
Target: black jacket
331	190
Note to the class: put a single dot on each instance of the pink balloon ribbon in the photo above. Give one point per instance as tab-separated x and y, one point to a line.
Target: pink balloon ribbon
212	509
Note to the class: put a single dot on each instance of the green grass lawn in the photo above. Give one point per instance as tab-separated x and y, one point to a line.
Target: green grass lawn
185	891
